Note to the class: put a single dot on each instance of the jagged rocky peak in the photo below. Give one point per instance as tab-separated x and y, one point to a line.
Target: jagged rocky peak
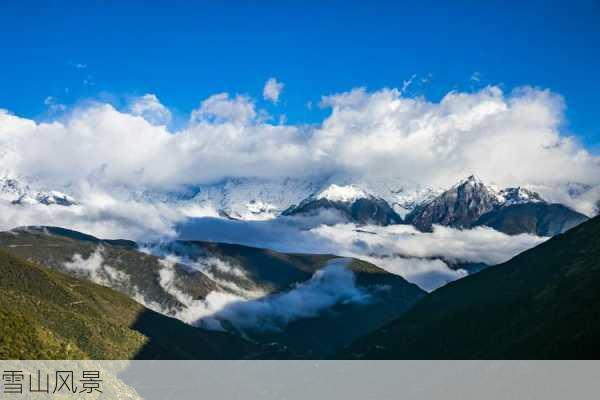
458	206
512	210
351	203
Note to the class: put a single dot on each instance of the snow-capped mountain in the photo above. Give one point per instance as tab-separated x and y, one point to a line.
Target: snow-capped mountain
458	206
404	200
240	198
342	194
351	203
511	210
261	199
511	196
333	199
13	190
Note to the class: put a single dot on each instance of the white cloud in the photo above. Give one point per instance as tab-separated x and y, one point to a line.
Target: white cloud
272	90
406	83
222	109
151	109
53	105
327	287
506	139
94	268
421	257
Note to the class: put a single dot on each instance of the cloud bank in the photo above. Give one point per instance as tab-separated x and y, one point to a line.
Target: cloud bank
507	139
424	258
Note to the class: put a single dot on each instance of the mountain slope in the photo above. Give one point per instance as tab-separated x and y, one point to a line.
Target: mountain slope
193	280
114	263
47	315
538	218
542	304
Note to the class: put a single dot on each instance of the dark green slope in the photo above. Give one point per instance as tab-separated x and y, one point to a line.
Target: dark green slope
542	304
52	247
45	314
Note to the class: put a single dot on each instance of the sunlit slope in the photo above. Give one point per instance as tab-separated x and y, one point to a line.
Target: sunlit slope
45	314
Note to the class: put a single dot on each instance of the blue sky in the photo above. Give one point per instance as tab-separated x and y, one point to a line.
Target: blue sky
186	51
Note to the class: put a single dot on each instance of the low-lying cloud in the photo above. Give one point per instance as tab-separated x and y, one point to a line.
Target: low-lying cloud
96	270
329	286
424	258
334	284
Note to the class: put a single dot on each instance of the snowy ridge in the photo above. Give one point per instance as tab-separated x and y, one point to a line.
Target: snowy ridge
505	197
518	195
13	190
344	194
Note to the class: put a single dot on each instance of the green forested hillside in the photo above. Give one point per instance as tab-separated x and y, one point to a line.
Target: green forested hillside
45	314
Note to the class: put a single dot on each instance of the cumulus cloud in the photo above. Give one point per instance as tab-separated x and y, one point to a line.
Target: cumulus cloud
151	109
272	90
507	139
221	108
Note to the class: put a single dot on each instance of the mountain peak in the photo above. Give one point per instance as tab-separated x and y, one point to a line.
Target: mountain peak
344	194
349	202
470	180
458	206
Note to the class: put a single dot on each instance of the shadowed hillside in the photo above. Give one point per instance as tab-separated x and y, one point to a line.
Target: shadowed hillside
542	304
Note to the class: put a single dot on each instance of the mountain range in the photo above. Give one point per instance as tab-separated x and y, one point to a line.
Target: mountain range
472	203
467	204
542	304
199	299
